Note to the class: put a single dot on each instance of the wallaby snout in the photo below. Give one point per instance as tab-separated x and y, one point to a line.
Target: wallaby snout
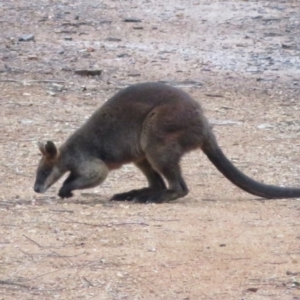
39	189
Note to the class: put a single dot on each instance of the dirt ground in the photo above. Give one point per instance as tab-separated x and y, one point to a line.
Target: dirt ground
241	59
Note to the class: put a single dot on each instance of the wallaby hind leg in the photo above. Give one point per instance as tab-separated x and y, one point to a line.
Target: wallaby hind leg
155	182
166	162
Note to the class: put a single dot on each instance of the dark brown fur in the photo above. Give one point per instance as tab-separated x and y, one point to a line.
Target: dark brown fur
151	125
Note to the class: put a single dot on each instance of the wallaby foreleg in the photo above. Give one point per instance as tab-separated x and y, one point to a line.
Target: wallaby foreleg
90	175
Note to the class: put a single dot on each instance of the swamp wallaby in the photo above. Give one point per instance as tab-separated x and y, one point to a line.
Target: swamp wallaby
151	125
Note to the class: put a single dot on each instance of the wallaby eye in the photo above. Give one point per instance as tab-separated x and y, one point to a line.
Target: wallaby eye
45	172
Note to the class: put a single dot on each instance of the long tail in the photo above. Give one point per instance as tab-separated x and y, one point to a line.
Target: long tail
224	165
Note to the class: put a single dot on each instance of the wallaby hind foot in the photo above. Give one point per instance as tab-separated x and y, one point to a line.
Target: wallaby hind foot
161	197
134	195
148	195
155	183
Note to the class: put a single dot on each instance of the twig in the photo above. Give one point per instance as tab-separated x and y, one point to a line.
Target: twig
165	220
61	210
106	225
40	246
129	223
62	257
275	263
214	95
33	81
74	254
33	241
87	281
46	81
7	282
26	254
10	80
41	275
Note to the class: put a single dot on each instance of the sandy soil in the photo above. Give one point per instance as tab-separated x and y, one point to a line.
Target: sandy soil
241	59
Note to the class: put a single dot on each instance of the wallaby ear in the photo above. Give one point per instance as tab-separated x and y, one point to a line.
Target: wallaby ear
42	147
50	149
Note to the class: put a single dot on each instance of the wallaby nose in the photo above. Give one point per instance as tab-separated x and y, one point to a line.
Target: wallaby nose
37	188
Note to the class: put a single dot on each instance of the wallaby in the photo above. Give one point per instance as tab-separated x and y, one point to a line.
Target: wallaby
151	125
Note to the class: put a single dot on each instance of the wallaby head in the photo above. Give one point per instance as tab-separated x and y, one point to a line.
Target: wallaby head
84	170
48	171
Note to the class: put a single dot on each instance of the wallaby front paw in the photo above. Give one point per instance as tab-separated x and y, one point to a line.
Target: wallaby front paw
65	193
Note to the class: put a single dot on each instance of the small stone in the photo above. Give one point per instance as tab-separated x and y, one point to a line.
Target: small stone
123	55
51	93
296	283
26	121
132	20
57	87
32	57
84	72
272	34
287	46
26	38
151	250
264	126
134	74
253	290
292	273
112	39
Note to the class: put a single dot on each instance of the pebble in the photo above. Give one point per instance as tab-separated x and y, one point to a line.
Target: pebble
112	39
32	57
132	20
57	87
51	93
26	38
86	72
